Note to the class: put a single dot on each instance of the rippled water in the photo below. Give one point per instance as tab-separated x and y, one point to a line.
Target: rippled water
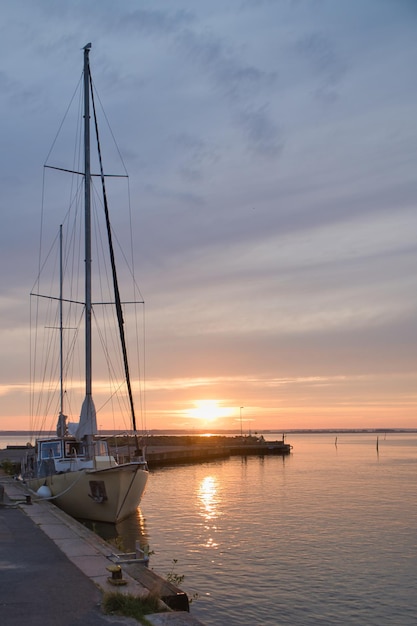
325	536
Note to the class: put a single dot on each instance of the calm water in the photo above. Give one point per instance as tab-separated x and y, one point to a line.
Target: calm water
325	536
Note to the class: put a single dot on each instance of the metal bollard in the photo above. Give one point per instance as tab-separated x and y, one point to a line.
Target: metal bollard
116	577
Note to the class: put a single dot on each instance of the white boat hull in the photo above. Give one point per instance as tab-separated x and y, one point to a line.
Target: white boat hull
103	495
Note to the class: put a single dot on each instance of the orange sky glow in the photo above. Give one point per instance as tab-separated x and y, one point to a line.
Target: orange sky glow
266	405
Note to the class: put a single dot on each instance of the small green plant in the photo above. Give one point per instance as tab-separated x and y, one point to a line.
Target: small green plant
178	579
131	606
8	467
172	576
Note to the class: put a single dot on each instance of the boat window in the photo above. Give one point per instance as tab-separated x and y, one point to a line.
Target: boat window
74	449
100	448
51	450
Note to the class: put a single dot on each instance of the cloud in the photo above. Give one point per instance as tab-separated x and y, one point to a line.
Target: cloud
270	147
262	133
197	154
240	84
155	22
324	60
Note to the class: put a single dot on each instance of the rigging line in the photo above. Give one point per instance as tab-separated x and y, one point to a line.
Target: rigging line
142	374
136	289
38	385
63	120
115	282
58	495
111	303
40	295
129	264
53	370
130	267
42	263
145	417
94	90
64	169
32	352
114	380
128	491
41	266
34	336
47	379
107	337
72	345
122	408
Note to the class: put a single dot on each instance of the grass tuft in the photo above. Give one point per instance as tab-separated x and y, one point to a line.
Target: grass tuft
131	606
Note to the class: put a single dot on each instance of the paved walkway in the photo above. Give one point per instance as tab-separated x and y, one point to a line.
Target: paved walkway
53	570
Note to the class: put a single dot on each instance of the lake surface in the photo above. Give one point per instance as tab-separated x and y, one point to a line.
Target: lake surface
326	535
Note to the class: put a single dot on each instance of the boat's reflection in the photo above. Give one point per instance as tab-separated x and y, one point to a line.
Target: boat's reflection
134	532
124	536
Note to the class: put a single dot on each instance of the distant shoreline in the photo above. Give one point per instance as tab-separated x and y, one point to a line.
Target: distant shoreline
199	431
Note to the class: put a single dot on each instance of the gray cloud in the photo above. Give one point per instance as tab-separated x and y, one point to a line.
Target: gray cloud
263	135
321	55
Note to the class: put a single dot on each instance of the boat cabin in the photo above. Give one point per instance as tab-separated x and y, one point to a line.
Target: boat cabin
69	448
62	455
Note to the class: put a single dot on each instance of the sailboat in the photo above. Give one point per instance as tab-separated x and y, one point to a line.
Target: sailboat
75	468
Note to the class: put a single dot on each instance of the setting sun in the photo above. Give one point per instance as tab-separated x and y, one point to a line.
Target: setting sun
208	410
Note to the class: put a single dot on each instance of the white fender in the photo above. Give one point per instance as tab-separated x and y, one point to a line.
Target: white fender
44	492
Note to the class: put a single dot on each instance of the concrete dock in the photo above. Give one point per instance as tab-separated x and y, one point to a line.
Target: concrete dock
54	570
177	450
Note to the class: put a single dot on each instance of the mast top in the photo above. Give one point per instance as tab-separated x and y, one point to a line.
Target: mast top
87	46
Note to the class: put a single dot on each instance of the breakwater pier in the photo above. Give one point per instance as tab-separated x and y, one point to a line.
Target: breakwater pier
164	450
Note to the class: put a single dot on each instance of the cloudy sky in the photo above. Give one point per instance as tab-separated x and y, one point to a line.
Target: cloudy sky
272	153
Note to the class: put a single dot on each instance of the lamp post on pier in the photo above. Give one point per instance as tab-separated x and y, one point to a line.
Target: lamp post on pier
241	431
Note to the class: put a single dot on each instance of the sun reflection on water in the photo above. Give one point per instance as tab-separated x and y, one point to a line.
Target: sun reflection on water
209	500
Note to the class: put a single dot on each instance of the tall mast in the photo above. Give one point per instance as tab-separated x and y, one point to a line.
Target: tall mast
88	422
87	209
